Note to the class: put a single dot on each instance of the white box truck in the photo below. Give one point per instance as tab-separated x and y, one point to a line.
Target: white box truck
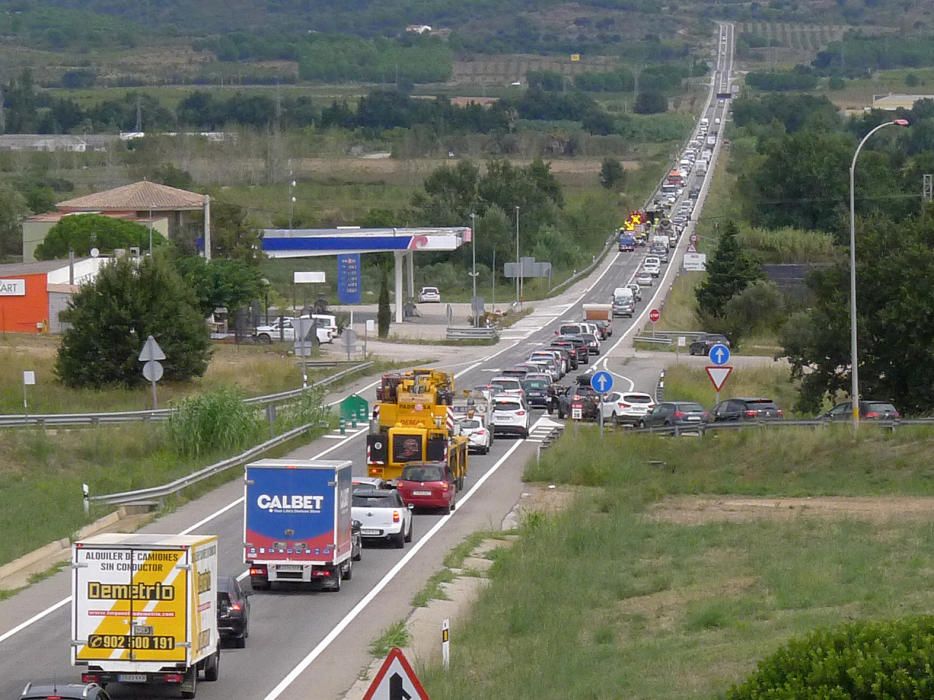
144	610
297	524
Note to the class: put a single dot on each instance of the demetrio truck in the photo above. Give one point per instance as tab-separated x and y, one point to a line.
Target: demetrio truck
297	525
144	610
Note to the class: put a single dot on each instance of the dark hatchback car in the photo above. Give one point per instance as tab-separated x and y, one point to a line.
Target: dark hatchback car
702	345
233	611
64	691
584	403
868	410
593	345
580	346
681	414
570	350
536	392
733	410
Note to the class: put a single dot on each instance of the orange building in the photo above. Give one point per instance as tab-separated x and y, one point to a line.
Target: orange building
33	295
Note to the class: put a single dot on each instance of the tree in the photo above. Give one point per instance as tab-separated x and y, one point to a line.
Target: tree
650	102
729	271
12	210
233	235
895	331
612	175
112	316
228	283
383	313
82	232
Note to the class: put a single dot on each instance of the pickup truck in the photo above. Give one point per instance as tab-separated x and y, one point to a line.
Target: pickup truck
284	328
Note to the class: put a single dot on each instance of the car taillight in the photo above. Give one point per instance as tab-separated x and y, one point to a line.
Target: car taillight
749	413
90	678
173	677
520	413
258	570
444	486
622	404
679	414
871	414
480	432
780	413
235	607
395	516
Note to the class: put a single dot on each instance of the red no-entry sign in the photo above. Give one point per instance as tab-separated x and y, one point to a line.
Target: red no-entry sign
654	315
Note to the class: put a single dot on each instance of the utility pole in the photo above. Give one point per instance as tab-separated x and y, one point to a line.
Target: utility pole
473	273
292	184
2	114
139	115
518	269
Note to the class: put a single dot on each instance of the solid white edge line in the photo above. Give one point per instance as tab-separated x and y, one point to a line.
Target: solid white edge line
377	589
35	618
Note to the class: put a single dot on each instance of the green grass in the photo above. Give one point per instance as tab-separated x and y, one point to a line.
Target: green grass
396	635
432	589
608	600
690	383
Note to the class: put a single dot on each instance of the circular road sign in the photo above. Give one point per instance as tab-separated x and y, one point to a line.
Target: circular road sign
719	354
153	371
602	381
654	315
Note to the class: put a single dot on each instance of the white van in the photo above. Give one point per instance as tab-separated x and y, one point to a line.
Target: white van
623	294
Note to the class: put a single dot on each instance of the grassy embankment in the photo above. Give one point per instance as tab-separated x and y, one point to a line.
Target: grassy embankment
671	581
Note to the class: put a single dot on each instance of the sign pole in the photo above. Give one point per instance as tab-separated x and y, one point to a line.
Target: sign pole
446	643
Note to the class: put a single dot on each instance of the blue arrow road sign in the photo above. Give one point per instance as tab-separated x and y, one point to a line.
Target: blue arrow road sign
602	381
719	354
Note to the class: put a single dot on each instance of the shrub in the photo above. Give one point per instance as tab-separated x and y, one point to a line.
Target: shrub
887	659
216	421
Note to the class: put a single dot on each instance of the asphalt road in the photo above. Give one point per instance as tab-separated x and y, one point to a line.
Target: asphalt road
313	644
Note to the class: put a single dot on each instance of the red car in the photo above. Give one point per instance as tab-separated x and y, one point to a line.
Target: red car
428	485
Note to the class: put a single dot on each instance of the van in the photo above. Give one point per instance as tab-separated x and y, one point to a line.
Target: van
622	294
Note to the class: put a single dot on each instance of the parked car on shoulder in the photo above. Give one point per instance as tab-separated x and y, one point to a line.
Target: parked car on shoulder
428	485
626	407
429	295
740	409
868	410
383	515
702	345
682	414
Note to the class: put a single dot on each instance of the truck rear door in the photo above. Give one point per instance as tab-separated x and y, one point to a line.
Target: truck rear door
130	604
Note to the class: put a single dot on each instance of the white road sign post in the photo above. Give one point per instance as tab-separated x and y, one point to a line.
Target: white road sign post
29	377
152	369
446	643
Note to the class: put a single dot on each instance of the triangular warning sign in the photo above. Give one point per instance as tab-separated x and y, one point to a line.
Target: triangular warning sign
395	680
692	248
718	375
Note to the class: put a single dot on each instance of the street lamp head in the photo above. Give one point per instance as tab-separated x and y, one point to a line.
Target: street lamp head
901	122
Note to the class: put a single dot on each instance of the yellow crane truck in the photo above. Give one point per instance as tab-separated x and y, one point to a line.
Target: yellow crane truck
414	421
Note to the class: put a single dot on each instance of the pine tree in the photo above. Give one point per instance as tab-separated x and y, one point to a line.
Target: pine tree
112	317
383	314
729	271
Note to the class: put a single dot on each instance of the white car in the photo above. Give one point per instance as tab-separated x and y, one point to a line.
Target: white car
626	408
382	515
511	416
479	438
286	331
644	279
429	295
509	386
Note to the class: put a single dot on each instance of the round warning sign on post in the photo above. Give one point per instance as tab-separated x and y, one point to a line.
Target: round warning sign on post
654	315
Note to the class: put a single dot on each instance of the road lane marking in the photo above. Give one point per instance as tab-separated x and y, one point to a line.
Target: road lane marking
322	646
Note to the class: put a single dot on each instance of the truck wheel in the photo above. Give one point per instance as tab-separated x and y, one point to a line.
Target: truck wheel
336	581
347	572
190	684
240	642
398	540
212	666
264	338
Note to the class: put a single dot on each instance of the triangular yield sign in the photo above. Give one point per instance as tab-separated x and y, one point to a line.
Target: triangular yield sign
151	351
718	375
395	680
691	248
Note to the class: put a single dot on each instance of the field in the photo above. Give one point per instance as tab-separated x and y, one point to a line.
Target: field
787	43
694	558
504	69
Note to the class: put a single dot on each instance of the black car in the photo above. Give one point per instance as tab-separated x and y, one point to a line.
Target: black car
67	691
233	611
536	392
593	345
868	410
741	409
682	414
580	347
702	345
584	403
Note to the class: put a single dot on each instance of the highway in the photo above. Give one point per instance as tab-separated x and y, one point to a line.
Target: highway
313	644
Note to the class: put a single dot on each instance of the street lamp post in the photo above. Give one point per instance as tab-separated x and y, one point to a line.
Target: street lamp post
854	357
518	268
473	273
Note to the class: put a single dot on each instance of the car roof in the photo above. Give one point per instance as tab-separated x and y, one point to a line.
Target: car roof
66	690
374	493
504	378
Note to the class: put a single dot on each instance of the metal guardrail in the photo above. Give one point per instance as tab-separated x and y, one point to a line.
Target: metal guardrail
820	423
161	414
651	340
159	492
470	333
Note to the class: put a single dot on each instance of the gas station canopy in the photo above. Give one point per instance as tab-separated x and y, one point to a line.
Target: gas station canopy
311	242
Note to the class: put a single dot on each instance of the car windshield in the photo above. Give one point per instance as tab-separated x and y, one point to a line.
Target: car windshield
470	423
535	384
505	405
570	330
374	500
425	473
